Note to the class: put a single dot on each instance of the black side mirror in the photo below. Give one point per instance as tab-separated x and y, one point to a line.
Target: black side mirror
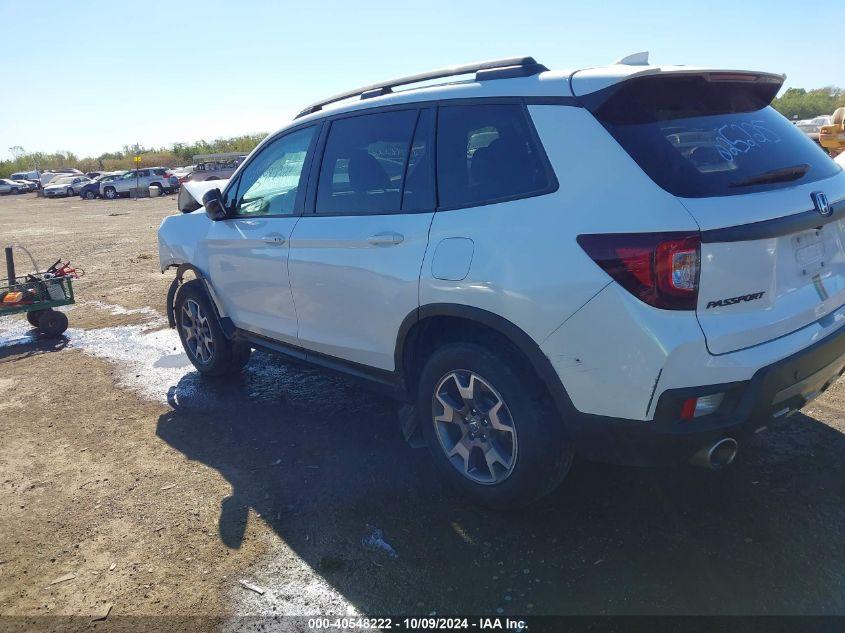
215	208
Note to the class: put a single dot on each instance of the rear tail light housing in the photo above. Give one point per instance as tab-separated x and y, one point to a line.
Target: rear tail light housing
660	269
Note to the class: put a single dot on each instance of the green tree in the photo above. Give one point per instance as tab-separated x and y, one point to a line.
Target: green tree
806	104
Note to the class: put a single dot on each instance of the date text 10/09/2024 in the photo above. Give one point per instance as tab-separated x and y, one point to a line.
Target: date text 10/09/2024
420	624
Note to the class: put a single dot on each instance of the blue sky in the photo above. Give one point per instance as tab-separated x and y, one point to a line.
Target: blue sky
94	76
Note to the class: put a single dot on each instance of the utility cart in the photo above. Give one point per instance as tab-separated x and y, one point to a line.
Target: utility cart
38	293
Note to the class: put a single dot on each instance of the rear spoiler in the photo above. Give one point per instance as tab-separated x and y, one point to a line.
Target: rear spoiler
591	80
654	93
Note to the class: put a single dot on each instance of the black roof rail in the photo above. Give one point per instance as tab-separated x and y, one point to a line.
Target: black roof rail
494	69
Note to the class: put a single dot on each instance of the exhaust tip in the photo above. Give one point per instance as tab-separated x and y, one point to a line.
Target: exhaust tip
717	456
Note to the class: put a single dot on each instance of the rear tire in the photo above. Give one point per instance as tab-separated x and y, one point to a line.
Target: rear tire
528	461
15	190
207	347
52	323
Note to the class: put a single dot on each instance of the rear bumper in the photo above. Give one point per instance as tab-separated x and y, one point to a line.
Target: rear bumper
773	393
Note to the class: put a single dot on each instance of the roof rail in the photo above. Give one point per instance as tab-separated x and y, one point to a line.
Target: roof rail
494	69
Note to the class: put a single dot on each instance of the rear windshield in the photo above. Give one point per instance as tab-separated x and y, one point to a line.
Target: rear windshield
698	138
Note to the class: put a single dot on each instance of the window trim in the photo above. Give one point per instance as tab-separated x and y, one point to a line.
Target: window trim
432	167
435	104
237	177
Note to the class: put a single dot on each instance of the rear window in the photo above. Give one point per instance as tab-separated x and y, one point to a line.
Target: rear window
699	138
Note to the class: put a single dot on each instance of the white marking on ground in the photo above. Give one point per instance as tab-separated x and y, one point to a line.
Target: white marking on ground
151	361
287	591
155	318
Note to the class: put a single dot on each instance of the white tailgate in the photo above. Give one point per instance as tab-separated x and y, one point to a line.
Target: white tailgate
757	285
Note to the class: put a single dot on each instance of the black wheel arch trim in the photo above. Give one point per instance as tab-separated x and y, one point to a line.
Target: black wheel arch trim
225	323
516	335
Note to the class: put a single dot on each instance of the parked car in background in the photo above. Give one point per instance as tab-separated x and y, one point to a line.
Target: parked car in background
94	189
811	127
29	184
215	166
51	174
65	186
182	173
143	179
12	186
32	176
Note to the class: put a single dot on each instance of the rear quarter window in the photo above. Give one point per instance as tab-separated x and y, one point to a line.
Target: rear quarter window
488	153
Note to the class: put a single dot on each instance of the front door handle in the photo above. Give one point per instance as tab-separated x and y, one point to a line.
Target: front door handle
275	238
387	238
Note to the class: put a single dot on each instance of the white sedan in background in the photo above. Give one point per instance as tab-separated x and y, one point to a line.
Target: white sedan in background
12	186
66	186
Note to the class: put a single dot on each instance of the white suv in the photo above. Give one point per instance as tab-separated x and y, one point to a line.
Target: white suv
637	263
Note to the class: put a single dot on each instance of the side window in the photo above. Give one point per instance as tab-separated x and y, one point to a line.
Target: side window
486	153
364	163
269	185
418	194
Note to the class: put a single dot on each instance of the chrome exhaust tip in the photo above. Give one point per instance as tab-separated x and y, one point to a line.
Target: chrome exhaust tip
717	456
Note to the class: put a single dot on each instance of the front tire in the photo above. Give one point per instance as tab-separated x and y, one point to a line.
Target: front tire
15	190
69	192
90	195
205	344
110	193
490	427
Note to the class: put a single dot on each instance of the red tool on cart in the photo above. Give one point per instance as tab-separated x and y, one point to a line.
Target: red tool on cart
39	293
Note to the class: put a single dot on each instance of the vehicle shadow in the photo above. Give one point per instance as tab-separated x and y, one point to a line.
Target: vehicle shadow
320	459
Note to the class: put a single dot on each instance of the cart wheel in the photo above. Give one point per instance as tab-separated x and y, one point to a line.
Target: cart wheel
34	317
52	323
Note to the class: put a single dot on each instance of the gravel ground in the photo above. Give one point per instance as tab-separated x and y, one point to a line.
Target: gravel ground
128	481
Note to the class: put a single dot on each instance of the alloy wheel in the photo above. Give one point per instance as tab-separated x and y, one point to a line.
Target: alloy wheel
474	427
197	332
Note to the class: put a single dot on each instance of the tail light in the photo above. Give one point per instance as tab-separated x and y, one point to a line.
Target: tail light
660	269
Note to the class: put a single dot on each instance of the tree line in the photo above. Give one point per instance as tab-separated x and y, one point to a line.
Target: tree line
178	154
806	104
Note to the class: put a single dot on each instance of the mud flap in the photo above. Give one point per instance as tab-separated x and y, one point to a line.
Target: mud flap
409	425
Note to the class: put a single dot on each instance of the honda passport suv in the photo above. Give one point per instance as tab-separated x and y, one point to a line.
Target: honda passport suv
636	263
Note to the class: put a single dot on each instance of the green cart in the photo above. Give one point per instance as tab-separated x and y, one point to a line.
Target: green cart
36	294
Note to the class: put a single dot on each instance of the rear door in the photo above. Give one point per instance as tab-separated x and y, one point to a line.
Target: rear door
355	260
770	203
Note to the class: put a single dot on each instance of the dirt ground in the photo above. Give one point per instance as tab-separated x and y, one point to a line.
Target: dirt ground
129	484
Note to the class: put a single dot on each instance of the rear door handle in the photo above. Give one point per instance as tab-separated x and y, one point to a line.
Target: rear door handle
275	238
386	238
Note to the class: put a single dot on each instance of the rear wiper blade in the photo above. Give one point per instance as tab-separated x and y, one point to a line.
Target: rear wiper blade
785	174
